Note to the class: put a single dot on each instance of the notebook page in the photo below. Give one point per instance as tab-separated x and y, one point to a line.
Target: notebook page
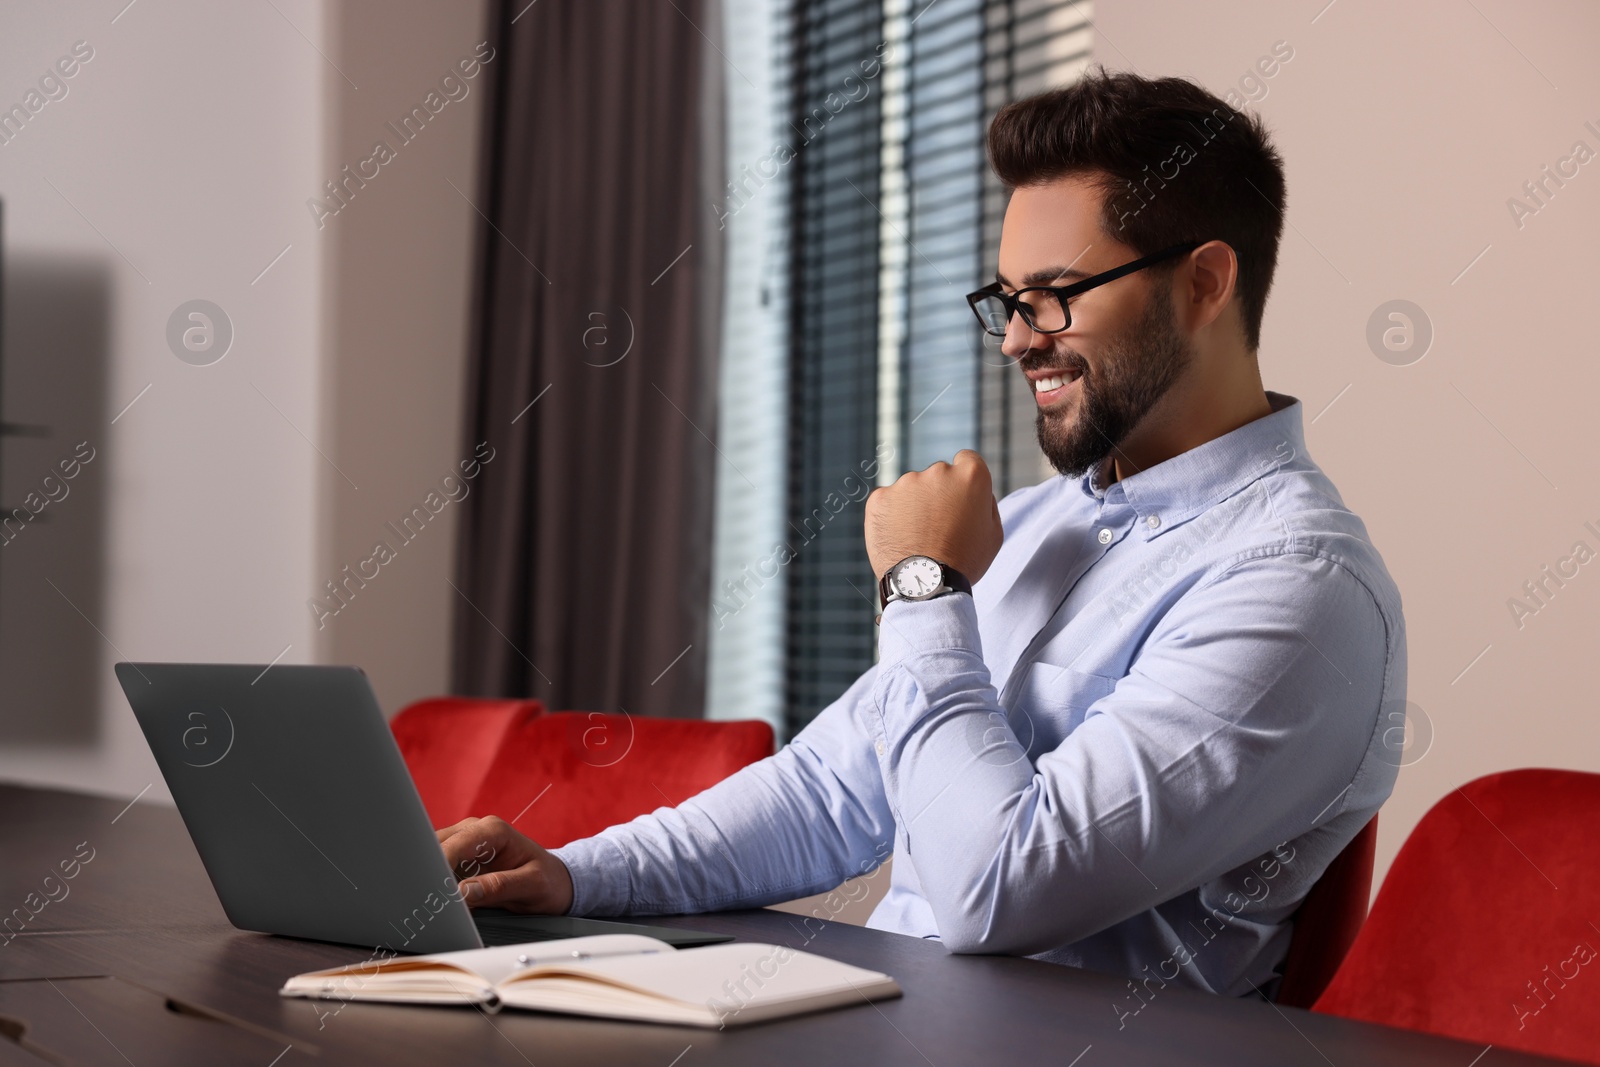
726	980
492	964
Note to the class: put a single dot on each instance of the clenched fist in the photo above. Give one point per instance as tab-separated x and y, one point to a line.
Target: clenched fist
947	512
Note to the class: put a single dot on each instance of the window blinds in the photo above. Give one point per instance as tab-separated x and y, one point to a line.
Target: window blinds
874	213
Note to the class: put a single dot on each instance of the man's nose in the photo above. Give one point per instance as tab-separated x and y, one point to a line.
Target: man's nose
1021	338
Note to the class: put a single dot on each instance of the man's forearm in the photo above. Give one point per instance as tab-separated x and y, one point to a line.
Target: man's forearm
798	823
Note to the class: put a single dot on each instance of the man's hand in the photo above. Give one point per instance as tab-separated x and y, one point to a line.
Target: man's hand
498	867
947	512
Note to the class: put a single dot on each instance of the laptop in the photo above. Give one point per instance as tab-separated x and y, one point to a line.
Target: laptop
305	817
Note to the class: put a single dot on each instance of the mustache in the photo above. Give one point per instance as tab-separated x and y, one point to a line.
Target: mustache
1035	362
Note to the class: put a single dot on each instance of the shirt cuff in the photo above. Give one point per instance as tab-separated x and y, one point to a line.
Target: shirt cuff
927	649
599	871
913	627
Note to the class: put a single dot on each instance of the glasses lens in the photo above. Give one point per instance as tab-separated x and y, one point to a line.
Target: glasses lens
992	313
1044	312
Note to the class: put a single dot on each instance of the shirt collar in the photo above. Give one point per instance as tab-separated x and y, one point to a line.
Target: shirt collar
1193	482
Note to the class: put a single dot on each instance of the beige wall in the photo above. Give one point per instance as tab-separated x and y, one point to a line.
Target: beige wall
174	168
178	166
1405	129
399	278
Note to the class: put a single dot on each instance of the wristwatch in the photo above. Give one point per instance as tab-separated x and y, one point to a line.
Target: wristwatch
920	578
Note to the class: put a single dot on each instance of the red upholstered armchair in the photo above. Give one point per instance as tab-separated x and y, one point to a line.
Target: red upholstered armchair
571	774
1487	927
1326	924
448	744
563	775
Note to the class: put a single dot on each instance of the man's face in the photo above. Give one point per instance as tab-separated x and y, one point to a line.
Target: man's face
1095	381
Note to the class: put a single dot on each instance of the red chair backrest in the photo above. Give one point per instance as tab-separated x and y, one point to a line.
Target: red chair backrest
449	743
570	774
1485	928
1327	921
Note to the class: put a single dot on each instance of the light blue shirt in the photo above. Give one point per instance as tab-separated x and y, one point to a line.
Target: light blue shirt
1162	712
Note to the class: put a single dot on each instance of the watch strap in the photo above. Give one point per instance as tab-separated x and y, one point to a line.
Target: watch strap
956	581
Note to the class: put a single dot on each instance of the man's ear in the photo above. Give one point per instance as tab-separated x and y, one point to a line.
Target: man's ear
1211	273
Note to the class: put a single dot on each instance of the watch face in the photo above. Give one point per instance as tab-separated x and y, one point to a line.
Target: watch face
917	577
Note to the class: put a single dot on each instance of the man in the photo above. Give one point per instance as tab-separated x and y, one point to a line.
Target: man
1160	712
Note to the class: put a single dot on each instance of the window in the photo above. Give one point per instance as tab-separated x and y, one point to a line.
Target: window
865	213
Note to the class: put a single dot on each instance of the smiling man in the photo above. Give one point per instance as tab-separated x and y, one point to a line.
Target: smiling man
1122	719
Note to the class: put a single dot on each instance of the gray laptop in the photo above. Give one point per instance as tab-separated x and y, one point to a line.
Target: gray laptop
305	816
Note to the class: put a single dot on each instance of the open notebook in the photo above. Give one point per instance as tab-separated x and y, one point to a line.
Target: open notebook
621	976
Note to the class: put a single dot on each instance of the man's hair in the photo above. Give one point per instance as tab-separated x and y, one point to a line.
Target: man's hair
1173	163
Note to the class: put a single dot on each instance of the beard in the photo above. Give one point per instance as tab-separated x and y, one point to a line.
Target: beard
1136	370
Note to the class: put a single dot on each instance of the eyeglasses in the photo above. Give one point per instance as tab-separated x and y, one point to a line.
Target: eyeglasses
1044	307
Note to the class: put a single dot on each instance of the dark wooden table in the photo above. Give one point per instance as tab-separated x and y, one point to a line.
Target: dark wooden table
132	962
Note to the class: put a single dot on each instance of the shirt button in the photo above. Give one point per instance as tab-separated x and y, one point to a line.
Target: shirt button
1153	521
1105	536
879	747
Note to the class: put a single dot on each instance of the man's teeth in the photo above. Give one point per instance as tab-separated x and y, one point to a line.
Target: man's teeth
1055	381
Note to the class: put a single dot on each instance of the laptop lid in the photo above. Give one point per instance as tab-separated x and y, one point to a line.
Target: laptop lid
299	803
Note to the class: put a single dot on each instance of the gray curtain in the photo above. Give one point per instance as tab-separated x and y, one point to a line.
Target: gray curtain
584	552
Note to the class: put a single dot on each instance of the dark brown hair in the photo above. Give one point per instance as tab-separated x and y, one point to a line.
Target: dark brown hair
1172	161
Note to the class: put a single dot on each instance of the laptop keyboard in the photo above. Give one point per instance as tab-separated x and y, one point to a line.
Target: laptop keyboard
512	933
497	927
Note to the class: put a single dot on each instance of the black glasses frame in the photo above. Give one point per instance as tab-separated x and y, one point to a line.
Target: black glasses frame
1015	306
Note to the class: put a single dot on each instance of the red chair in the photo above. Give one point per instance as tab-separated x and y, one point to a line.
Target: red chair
570	774
1327	921
1486	926
449	743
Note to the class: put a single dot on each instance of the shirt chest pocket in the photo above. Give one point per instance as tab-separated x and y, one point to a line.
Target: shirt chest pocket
1052	701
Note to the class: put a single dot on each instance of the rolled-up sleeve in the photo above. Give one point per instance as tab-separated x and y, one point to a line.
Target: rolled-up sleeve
1248	708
